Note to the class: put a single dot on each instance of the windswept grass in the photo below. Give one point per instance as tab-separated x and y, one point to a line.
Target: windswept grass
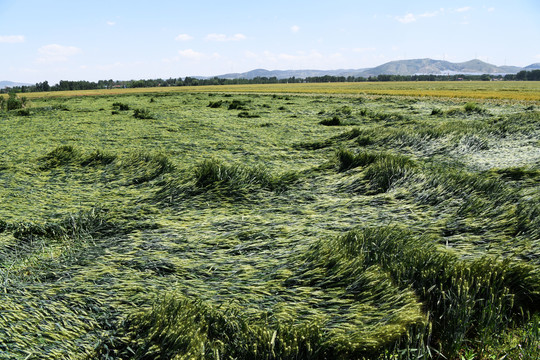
177	327
98	157
402	233
465	299
337	139
141	166
62	155
231	181
519	173
382	169
145	167
142	113
528	219
334	121
349	160
473	107
388	170
87	224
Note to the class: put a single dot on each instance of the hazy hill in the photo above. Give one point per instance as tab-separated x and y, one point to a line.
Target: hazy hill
398	67
285	74
535	66
438	67
5	84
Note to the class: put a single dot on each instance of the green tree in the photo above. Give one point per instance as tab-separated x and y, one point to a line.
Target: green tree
534	75
13	102
522	75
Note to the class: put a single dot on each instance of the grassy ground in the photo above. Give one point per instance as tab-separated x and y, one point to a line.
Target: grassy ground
213	225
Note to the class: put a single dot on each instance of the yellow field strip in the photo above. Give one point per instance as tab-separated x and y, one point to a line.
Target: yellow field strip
520	91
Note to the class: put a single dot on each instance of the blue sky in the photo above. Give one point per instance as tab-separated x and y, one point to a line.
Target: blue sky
90	40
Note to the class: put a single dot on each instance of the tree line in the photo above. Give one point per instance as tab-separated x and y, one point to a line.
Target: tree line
64	85
523	75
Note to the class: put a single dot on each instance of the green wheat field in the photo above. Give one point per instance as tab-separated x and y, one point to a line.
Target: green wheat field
178	225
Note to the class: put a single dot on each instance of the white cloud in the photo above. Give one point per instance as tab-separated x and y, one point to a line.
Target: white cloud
183	37
491	9
238	37
429	14
295	28
11	39
191	54
463	9
56	53
408	18
111	23
223	37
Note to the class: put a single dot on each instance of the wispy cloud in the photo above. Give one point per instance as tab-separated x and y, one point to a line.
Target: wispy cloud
183	37
410	17
295	28
223	37
464	9
429	14
111	23
11	39
56	53
193	55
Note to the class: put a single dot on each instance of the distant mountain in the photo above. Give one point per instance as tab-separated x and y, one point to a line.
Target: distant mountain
284	74
438	67
399	67
535	66
5	84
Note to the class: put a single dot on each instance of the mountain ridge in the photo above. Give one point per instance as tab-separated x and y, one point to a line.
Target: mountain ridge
4	84
424	66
